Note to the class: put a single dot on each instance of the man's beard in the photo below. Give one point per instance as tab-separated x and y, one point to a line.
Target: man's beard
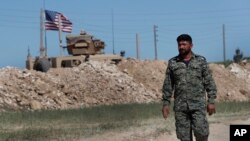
184	52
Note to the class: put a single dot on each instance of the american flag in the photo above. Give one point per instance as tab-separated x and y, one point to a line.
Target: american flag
52	21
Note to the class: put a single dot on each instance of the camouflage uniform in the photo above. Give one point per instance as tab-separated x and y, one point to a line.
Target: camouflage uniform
190	82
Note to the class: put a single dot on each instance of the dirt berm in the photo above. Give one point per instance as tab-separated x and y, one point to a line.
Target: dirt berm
95	83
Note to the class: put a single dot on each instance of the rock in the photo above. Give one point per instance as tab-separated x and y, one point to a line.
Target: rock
41	92
35	105
125	71
244	92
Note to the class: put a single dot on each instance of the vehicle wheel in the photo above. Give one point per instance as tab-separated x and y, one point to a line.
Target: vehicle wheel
42	65
76	63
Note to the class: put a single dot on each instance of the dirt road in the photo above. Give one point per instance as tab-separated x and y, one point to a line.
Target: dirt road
218	132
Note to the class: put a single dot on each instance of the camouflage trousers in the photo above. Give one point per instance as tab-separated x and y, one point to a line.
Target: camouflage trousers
187	122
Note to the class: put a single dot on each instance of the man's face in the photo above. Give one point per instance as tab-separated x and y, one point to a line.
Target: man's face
184	47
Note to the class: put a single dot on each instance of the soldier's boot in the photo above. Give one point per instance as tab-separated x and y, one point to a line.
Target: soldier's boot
202	138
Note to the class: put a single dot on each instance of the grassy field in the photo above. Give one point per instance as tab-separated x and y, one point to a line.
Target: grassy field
77	123
226	63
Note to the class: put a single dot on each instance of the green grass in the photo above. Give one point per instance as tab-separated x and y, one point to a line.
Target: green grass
233	107
226	63
76	123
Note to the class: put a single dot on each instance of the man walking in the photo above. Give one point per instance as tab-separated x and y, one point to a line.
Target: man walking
189	78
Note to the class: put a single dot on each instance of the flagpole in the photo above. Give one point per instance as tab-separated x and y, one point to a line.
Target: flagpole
45	40
42	49
60	35
45	32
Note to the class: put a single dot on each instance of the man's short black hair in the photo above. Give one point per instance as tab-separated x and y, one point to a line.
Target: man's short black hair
184	37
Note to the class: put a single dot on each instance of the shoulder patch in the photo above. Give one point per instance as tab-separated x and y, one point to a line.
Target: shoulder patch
173	59
200	57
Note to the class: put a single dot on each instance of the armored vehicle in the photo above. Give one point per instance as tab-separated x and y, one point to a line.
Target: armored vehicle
81	48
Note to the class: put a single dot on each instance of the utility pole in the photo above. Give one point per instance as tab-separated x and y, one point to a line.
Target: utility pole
155	40
29	54
113	32
137	47
224	42
42	49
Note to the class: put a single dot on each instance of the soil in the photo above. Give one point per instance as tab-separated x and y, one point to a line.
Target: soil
102	83
218	132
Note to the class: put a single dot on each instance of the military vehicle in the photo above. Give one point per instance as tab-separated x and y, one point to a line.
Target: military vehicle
81	48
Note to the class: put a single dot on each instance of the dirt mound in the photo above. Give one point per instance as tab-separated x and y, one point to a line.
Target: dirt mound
92	83
231	83
148	73
95	83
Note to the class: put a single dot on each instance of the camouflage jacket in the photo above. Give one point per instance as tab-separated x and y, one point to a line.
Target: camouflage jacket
189	82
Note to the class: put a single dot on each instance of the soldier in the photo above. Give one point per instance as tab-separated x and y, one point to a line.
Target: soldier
189	78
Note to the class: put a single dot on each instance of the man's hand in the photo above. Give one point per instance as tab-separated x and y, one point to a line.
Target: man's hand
165	111
211	109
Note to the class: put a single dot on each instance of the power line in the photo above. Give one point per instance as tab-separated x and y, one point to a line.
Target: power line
136	12
18	26
19	16
18	21
186	12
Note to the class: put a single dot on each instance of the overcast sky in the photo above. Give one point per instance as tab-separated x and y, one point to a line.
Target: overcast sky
202	19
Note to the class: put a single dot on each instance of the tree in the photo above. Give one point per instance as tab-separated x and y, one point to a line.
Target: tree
238	56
